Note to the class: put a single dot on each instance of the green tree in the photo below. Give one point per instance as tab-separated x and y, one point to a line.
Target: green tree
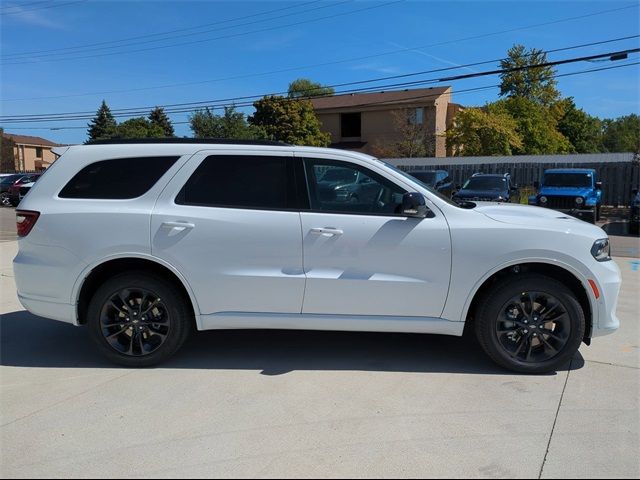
138	127
536	84
159	117
7	154
303	87
287	120
536	125
581	129
103	124
622	134
232	124
480	132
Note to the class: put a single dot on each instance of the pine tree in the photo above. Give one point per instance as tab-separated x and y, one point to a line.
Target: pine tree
159	118
103	124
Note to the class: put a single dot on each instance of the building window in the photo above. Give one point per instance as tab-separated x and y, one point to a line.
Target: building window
38	152
416	116
350	125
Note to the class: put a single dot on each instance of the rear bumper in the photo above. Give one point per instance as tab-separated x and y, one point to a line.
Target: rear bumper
62	312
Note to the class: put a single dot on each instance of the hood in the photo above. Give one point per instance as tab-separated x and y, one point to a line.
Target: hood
481	193
567	191
537	217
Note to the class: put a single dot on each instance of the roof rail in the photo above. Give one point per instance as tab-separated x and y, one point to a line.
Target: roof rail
219	141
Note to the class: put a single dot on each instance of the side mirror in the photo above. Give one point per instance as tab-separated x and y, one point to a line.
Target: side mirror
536	185
414	205
598	185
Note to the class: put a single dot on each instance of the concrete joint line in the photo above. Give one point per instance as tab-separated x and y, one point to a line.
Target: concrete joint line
555	420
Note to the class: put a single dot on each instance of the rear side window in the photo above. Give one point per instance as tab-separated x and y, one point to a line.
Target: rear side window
242	181
119	178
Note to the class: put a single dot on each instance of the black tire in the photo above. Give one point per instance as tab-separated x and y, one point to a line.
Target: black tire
489	316
597	213
174	308
634	228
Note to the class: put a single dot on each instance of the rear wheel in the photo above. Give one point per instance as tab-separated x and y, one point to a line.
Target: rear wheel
138	320
530	324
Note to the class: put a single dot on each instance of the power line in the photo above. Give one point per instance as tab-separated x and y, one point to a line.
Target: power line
382	102
194	105
267	29
84	49
324	64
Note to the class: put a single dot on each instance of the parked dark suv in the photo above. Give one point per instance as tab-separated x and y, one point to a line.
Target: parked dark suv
17	180
634	212
437	179
488	188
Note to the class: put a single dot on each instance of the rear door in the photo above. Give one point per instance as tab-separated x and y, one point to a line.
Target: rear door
230	222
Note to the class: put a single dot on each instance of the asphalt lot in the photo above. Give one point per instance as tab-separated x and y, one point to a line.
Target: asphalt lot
290	404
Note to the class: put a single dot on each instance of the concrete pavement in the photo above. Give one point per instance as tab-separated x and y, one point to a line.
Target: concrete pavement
290	404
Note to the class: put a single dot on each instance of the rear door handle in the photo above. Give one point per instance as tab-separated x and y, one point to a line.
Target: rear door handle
327	231
178	225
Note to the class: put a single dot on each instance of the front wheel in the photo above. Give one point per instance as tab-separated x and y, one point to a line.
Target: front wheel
530	324
138	320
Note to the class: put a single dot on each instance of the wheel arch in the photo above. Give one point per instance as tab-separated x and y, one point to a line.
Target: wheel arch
570	277
92	277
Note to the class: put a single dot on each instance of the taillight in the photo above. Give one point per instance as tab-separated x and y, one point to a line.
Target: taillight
25	220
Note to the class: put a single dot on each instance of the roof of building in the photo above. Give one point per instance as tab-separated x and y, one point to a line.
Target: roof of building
29	140
419	95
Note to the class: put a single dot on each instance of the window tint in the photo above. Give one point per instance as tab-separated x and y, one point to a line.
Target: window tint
242	182
355	190
119	178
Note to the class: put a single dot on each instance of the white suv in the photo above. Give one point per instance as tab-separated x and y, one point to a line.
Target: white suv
142	241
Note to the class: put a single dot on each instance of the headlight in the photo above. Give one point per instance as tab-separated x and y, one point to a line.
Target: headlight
601	250
543	199
579	200
500	198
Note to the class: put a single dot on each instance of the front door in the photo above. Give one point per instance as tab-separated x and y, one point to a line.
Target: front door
230	222
360	256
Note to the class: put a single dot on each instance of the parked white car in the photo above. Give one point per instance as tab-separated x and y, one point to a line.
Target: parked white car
143	241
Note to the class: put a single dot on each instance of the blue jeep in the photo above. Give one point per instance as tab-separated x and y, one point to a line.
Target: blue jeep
575	191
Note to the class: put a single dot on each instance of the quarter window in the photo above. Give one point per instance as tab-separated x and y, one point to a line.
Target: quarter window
340	187
117	179
239	181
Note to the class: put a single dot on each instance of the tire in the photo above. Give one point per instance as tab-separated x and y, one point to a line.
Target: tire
154	342
565	338
634	228
597	213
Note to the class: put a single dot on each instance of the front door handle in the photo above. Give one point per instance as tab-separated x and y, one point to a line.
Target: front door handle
178	225
327	231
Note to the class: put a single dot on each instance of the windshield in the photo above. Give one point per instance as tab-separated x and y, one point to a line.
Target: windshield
424	185
10	179
428	178
486	183
568	180
339	174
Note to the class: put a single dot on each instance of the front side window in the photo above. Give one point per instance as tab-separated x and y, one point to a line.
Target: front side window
365	193
242	181
117	179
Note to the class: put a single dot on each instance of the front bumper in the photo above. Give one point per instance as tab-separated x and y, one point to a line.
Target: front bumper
608	282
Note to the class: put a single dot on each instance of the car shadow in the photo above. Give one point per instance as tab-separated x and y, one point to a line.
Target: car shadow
618	228
30	341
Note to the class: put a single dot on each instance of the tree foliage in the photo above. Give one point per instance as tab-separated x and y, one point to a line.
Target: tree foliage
478	131
103	125
535	124
287	120
232	125
622	134
138	127
159	117
535	84
7	154
414	139
581	129
303	87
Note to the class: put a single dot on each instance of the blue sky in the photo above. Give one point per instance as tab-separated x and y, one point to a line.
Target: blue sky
229	58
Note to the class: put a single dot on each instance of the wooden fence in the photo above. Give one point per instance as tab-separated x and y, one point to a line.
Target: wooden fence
618	172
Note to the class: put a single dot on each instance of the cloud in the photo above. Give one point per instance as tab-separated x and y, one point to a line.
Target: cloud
425	54
31	17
